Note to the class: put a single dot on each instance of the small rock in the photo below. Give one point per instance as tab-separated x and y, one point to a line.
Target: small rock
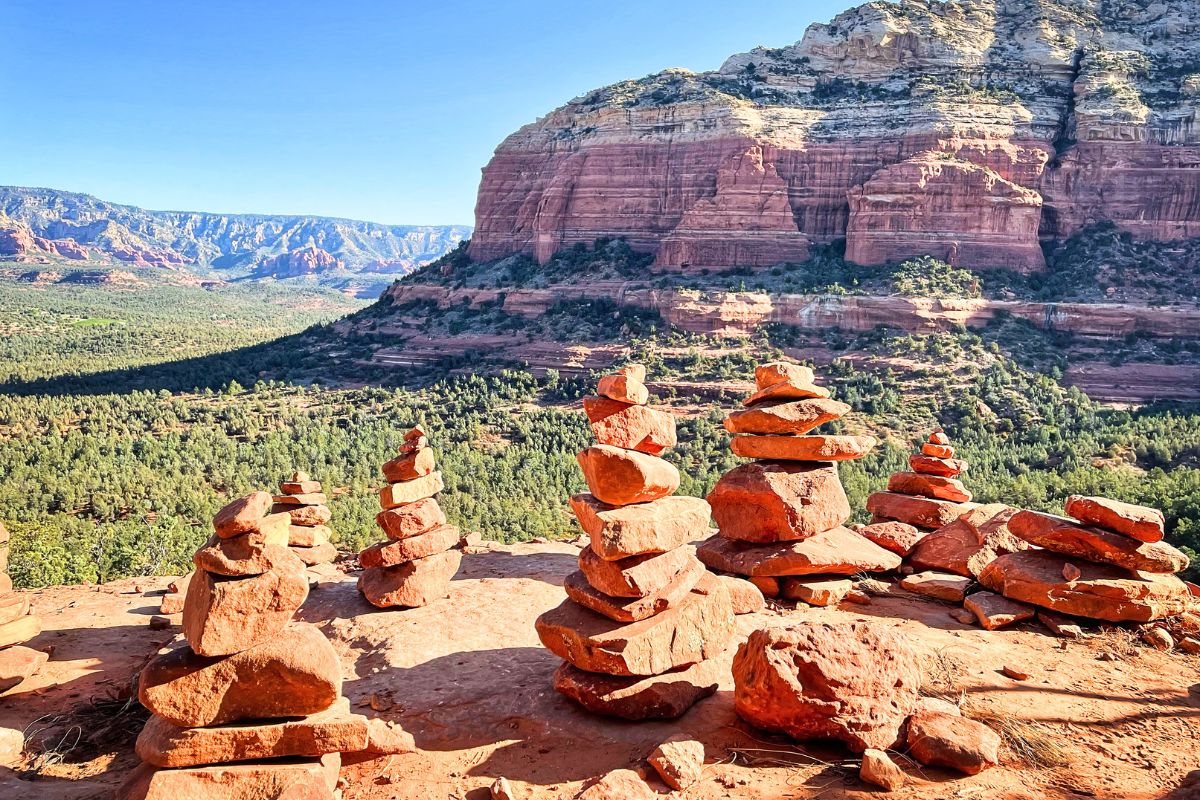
1190	644
159	622
502	790
879	769
938	585
1014	673
12	743
995	611
1158	638
747	598
385	737
944	740
964	616
1071	572
858	597
620	784
679	761
1060	625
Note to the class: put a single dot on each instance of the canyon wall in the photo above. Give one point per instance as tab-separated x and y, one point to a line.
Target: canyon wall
975	131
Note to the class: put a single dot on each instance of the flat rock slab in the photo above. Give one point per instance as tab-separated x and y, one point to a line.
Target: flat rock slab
698	628
655	527
632	609
821	592
938	585
636	576
308	535
934	486
994	611
1138	522
745	596
305	515
334	730
634	427
225	615
920	512
786	418
242	556
19	631
1101	591
13	606
839	551
312	556
17	664
411	585
786	390
943	467
285	779
394	553
969	543
803	448
412	519
1066	536
294	674
898	537
774	501
410	466
398	494
665	696
626	385
620	477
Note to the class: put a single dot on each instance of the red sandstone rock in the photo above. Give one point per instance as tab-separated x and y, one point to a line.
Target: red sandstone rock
399	494
632	609
937	450
19	631
310	499
768	585
938	585
300	484
664	696
225	615
679	761
410	466
13	606
1068	537
818	591
304	515
334	730
879	769
299	779
774	372
1139	522
294	674
943	467
698	628
970	543
654	527
637	576
394	553
412	519
934	486
242	556
318	554
838	551
6	584
947	740
302	536
853	682
620	784
621	477
416	583
634	427
795	417
626	385
921	512
414	440
786	391
939	437
744	595
18	663
243	515
1101	592
803	448
768	501
899	537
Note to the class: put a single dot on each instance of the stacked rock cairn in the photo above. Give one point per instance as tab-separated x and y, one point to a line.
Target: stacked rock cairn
1106	562
931	495
414	566
780	517
17	626
308	536
644	624
250	705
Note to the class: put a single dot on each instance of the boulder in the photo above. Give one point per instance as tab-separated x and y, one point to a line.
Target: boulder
944	467
803	448
697	628
854	682
969	543
620	477
305	515
655	527
993	611
620	784
1066	536
774	501
411	585
946	740
242	556
878	769
225	615
297	779
636	576
920	512
934	486
19	631
394	553
664	696
18	663
632	609
744	595
898	537
410	466
294	674
839	551
626	385
938	585
398	494
818	591
786	418
679	761
334	730
412	519
12	744
243	515
1138	522
633	427
1101	592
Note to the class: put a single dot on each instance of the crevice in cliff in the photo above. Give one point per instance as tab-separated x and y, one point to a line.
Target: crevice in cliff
1064	138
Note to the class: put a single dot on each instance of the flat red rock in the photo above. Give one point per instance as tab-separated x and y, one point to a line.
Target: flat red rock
310	499
13	606
899	537
242	556
288	779
308	535
944	586
1139	522
620	477
243	515
921	512
19	631
948	740
399	494
416	583
929	486
786	418
224	615
937	450
839	551
636	576
819	591
945	467
410	466
746	597
993	611
774	372
318	554
304	515
773	501
803	448
626	385
394	553
969	543
634	427
18	663
632	609
412	519
786	390
1066	536
664	696
654	527
304	486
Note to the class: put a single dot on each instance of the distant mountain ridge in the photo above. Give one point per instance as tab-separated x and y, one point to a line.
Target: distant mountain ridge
47	223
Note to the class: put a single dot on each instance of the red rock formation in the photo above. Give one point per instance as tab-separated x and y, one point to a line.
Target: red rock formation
308	260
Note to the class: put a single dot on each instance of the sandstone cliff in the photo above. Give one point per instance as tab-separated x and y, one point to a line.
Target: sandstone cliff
972	130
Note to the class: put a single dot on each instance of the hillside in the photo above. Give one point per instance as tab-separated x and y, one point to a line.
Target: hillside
50	226
975	132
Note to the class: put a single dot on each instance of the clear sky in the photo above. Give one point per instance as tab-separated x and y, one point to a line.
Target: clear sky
380	110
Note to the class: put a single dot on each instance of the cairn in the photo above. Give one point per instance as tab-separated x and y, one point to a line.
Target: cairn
308	536
780	517
414	566
17	626
931	495
1108	561
643	623
250	705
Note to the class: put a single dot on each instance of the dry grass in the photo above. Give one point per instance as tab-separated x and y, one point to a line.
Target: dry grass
1030	743
103	726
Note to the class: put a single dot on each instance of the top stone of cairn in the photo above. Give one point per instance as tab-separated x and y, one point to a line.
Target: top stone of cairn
779	380
626	385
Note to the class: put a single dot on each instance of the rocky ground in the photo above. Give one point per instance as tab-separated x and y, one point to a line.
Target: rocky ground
467	686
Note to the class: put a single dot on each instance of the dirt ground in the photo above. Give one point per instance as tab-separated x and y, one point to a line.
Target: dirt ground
468	680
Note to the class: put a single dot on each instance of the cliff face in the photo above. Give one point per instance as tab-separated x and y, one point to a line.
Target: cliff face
971	130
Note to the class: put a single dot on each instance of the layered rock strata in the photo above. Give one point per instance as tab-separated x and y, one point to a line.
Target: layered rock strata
930	495
250	705
302	499
18	625
781	516
644	626
413	567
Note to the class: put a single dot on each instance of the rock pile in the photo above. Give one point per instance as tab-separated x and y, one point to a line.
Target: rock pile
250	706
1106	562
308	536
931	495
17	626
414	566
780	517
643	623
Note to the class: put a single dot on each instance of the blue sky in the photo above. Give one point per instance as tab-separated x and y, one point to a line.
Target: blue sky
373	110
